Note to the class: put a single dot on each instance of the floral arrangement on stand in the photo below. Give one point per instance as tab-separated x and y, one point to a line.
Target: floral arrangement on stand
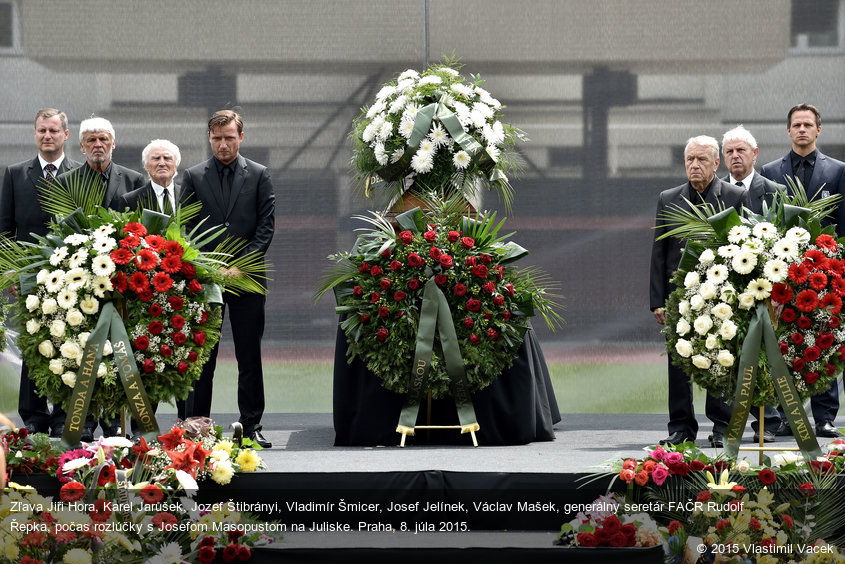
379	287
434	131
607	527
28	453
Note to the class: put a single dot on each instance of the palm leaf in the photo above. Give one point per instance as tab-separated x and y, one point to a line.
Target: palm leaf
80	188
334	276
547	303
688	223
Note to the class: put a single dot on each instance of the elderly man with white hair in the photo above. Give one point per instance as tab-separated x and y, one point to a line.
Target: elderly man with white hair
161	160
701	160
97	142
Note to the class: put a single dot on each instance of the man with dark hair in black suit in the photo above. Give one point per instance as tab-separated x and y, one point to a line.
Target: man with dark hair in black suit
235	193
740	151
701	159
821	177
21	216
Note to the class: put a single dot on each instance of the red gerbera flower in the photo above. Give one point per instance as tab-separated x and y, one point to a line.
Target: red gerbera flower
151	493
135	228
816	258
72	491
164	521
121	256
162	282
173	248
788	314
171	264
826	242
106	475
807	300
147	259
832	303
101	511
798	273
119	282
130	242
818	281
155	242
838	285
138	281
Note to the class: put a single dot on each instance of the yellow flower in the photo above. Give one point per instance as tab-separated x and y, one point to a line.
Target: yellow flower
77	556
10	550
222	472
765	497
225	445
724	485
248	460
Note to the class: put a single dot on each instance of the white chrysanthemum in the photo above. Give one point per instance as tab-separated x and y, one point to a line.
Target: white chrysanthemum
786	249
684	348
776	271
74	317
430	79
799	234
765	230
104	244
385	91
76	239
66	298
89	305
707	290
104	230
380	155
448	70
438	135
408	74
738	234
398	104
728	330
682	327
725	358
484	110
717	274
406	128
447	100
691	280
701	361
461	160
222	472
422	162
706	257
744	262
376	109
683	307
728	294
69	378
722	311
385	131
32	326
711	342
32	302
46	349
728	251
396	155
759	288
702	324
57	328
101	285
427	147
463	90
369	133
494	134
696	302
70	350
477	118
746	300
49	306
487	98
55	281
58	256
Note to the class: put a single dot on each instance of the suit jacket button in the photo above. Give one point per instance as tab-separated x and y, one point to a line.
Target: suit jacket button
226	224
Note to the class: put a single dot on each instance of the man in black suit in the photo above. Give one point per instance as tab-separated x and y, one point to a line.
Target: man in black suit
97	142
701	159
821	177
740	151
235	193
21	216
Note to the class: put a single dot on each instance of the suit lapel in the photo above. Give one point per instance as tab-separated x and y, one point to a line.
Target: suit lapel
237	184
816	180
212	179
34	172
786	172
114	182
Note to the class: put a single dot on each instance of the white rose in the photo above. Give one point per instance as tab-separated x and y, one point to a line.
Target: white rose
682	328
49	306
683	307
707	257
70	350
107	350
691	279
707	290
728	330
725	358
42	275
728	294
684	348
46	349
83	338
711	342
89	305
32	326
702	324
57	328
102	370
722	311
696	302
701	361
74	317
743	466
57	366
32	302
69	378
747	300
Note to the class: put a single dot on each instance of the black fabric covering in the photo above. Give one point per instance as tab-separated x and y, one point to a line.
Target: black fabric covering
518	408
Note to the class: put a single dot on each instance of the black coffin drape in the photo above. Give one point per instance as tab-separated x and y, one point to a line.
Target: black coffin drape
518	408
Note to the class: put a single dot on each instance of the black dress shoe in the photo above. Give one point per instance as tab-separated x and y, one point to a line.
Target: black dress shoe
783	430
827	429
56	431
768	436
259	439
717	440
677	438
112	431
32	428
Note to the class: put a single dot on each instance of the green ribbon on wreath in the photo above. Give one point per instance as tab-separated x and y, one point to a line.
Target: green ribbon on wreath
761	332
436	316
109	325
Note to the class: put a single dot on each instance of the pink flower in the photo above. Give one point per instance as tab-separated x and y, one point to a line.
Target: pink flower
660	474
673	457
658	454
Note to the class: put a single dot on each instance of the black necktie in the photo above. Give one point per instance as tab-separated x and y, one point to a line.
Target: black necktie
226	183
739	183
801	173
168	207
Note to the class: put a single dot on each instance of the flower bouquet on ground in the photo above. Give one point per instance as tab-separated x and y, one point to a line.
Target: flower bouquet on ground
380	287
434	130
116	306
606	526
746	276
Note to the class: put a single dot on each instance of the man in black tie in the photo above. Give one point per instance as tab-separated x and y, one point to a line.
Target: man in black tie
821	177
740	150
235	193
21	216
701	160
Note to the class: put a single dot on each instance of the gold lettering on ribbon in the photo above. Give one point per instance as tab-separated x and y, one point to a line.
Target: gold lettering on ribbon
77	414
